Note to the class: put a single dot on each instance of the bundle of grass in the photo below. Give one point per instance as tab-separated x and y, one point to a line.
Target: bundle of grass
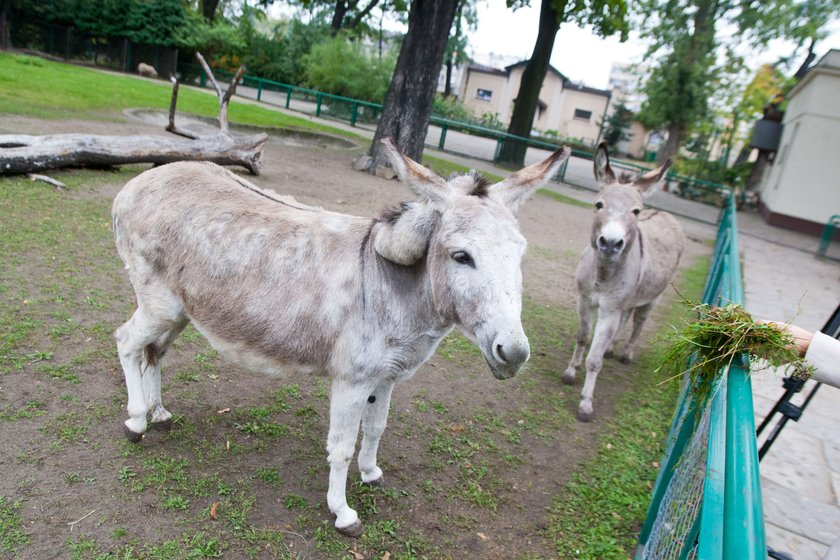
719	338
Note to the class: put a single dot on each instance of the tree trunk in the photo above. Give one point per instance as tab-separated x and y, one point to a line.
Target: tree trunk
20	153
408	103
208	9
5	32
672	144
338	16
700	46
447	88
525	106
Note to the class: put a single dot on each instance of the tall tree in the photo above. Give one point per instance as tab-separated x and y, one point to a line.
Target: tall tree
606	16
465	16
686	39
408	103
617	124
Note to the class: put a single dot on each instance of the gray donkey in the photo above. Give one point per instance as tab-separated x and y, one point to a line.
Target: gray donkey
632	257
276	285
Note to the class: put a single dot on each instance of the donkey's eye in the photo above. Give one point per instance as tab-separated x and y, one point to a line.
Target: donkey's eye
462	257
599	205
636	211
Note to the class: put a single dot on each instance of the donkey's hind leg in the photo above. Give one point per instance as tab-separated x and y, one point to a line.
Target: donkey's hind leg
161	418
640	315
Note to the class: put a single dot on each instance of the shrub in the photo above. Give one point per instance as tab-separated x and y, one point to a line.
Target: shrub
342	67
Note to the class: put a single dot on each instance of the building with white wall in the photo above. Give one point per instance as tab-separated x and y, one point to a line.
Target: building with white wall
801	189
572	110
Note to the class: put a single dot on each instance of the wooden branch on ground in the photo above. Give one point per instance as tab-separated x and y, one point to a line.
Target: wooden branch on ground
43	178
21	154
28	154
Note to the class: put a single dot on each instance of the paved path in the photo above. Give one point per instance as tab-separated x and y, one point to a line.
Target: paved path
783	281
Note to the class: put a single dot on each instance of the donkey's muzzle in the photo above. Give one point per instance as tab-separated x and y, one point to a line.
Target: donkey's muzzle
509	353
610	246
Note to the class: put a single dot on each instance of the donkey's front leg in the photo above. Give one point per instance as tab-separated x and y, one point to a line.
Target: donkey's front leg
347	403
586	312
374	419
640	315
608	321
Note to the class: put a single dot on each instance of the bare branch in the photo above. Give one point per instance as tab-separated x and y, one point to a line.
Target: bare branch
224	100
209	74
172	127
57	184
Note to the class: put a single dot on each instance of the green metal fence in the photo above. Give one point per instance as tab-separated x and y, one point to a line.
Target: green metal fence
706	503
828	235
360	113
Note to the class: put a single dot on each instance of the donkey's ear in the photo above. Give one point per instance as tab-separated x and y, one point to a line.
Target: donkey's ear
604	174
403	234
514	190
427	185
646	182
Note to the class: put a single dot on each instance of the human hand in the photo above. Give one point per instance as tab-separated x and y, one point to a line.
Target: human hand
801	337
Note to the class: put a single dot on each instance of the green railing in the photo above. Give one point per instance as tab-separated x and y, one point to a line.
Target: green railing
356	112
706	503
828	235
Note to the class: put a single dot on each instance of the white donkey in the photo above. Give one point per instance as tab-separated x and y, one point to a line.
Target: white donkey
274	284
632	258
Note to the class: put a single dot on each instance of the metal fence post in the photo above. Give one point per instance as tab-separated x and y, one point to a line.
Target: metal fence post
259	89
318	104
288	97
499	143
354	112
443	129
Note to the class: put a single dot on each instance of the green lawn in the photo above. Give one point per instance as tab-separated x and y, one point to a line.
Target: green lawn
50	90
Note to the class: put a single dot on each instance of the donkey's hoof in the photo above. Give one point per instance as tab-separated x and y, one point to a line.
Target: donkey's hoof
133	437
163	425
568	378
378	483
584	416
354	530
626	360
609	354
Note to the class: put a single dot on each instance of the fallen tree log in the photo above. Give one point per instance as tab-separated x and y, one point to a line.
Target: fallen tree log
20	153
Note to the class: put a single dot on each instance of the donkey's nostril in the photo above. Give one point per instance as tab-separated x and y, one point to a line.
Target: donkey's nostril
619	244
500	353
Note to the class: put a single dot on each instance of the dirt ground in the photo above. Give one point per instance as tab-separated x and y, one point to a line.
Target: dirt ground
471	463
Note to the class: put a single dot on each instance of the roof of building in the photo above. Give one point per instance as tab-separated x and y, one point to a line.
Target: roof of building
586	89
476	67
550	69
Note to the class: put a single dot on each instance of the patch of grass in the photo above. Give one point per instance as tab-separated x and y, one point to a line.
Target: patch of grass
445	168
90	94
12	536
598	513
564	199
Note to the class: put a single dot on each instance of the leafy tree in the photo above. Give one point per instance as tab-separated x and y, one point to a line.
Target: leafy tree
686	41
411	93
606	16
282	56
456	46
616	125
341	67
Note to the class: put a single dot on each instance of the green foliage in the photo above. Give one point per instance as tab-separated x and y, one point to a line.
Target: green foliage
720	337
616	125
281	57
341	67
452	109
152	22
210	39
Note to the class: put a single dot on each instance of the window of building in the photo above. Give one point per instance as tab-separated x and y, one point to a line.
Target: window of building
484	94
583	115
